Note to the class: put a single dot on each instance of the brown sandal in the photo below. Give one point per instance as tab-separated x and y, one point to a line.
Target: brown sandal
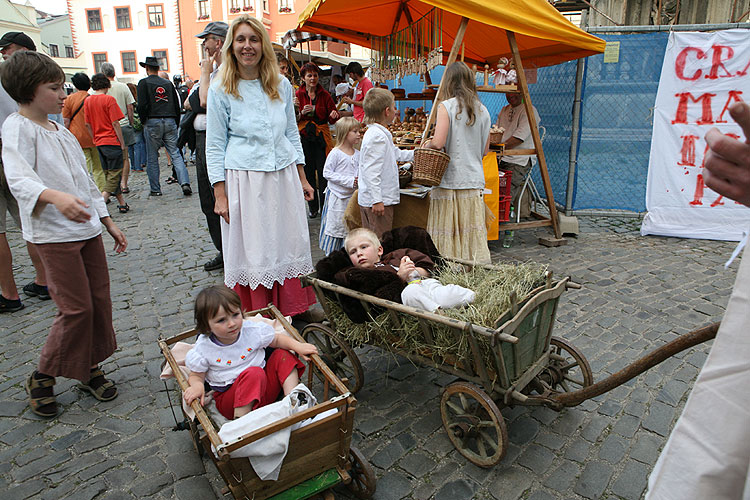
99	387
41	396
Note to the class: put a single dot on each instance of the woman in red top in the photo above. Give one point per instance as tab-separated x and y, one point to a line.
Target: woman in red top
317	110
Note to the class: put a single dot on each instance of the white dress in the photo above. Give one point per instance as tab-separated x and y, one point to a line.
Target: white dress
340	171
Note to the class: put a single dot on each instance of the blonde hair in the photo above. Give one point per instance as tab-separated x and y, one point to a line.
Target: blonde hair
460	83
268	67
343	127
375	103
361	232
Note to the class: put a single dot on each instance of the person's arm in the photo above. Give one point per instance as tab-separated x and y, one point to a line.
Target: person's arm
442	127
144	103
177	105
371	166
284	341
727	165
207	67
196	388
130	113
333	114
121	243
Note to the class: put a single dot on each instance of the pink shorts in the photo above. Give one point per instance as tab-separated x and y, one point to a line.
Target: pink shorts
258	386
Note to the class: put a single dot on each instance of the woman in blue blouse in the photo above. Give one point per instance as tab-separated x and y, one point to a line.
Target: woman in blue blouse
256	166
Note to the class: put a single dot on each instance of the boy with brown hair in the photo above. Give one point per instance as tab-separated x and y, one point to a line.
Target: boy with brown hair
62	213
378	168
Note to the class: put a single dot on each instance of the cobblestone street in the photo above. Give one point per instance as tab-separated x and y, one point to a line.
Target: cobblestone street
638	293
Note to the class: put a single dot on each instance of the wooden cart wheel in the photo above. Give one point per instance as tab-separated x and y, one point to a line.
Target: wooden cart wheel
474	424
568	370
196	437
362	484
337	354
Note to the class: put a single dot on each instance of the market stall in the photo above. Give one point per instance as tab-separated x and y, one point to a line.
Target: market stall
409	36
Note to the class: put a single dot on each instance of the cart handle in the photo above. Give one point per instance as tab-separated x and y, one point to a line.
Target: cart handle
685	341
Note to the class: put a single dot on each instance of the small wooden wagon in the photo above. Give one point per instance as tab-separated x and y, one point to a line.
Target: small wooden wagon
320	454
516	361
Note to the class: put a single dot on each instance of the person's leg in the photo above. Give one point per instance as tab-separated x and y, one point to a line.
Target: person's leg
170	143
152	134
310	172
244	395
38	287
103	341
94	164
206	192
283	370
320	163
7	282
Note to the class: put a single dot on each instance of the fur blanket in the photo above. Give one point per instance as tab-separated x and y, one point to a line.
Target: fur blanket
382	284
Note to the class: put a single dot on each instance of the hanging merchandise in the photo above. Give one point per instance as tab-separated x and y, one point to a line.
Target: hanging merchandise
413	50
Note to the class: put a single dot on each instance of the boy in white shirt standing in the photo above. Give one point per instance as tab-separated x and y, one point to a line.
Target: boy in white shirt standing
378	168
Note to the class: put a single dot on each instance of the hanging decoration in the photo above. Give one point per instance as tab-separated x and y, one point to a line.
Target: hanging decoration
414	50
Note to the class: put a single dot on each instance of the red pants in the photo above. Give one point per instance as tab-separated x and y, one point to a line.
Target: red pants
258	386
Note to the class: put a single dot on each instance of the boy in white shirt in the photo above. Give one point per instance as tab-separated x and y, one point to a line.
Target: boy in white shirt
378	169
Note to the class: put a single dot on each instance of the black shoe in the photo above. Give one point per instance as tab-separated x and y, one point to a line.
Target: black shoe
155	193
186	190
313	214
9	306
34	290
215	263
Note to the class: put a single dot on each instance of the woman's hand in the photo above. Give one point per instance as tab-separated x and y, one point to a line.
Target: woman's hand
334	115
308	191
296	101
307	109
221	207
121	243
347	100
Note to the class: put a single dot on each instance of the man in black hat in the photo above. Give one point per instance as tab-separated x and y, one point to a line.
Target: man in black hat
13	41
159	110
213	41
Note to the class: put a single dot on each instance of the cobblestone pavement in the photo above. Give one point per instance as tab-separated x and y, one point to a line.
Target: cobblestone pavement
637	294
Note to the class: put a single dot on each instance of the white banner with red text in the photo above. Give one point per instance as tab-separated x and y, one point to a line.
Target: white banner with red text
702	75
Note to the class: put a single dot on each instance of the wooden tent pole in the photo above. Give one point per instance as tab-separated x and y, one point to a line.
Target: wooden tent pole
534	133
451	59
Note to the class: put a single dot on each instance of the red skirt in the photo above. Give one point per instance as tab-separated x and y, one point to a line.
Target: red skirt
290	298
258	386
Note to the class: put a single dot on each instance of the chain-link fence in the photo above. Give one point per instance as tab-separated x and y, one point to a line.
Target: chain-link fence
614	136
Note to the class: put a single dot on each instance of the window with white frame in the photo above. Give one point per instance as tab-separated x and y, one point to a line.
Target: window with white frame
54	50
285	6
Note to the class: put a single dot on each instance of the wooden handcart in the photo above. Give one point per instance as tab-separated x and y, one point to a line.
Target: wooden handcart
517	361
320	454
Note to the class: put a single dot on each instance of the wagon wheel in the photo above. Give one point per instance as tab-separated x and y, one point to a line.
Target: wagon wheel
362	484
337	354
568	370
474	424
195	435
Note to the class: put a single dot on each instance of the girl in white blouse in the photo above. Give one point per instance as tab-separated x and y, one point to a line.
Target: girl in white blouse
62	213
341	171
230	356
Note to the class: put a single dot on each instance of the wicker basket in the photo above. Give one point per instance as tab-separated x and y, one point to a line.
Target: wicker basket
496	137
429	166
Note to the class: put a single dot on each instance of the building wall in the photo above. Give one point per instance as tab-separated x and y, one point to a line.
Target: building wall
56	30
646	12
17	17
111	42
270	12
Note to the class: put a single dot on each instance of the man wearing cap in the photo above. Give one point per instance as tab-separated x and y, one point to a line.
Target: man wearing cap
159	110
213	41
12	42
517	135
